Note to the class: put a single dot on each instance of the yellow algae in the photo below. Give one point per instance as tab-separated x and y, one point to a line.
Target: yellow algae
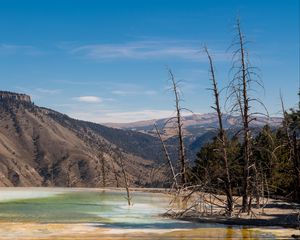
37	231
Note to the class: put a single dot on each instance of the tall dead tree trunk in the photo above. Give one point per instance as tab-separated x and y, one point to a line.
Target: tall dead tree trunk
100	167
115	174
126	182
246	120
52	174
240	87
167	157
222	137
179	128
103	171
69	180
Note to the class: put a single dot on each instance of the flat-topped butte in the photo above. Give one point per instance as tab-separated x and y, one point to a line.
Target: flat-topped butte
14	96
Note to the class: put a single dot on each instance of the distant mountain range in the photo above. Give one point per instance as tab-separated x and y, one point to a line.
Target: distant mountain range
42	147
198	129
193	125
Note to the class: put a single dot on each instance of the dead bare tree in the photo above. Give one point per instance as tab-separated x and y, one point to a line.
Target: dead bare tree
221	134
100	167
103	171
52	169
246	119
114	162
115	174
240	87
126	182
70	180
167	157
181	150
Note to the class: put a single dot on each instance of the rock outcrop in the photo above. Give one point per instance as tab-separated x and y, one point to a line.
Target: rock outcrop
14	96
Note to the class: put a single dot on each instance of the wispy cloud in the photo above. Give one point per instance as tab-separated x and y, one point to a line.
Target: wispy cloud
12	49
38	93
134	92
79	82
88	99
121	117
121	92
115	116
48	91
145	50
131	116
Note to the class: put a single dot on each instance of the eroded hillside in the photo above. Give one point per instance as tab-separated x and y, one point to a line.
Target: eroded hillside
41	147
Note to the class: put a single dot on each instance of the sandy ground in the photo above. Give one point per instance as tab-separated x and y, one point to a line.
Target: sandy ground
271	212
269	215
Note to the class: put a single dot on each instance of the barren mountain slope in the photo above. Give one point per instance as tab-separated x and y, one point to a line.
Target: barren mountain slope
41	147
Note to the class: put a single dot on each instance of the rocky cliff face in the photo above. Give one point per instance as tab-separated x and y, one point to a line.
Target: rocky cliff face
14	97
41	147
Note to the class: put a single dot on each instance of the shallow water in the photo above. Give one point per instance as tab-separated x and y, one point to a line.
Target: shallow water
89	214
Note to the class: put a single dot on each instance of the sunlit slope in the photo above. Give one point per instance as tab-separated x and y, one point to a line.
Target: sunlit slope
41	147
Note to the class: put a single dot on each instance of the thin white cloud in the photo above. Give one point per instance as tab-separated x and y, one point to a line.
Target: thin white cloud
134	92
130	116
108	116
146	50
38	93
122	92
88	99
12	49
121	117
48	91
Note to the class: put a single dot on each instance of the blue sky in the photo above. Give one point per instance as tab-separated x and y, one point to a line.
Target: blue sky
105	61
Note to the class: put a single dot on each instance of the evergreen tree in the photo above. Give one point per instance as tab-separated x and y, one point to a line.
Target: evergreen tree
209	170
